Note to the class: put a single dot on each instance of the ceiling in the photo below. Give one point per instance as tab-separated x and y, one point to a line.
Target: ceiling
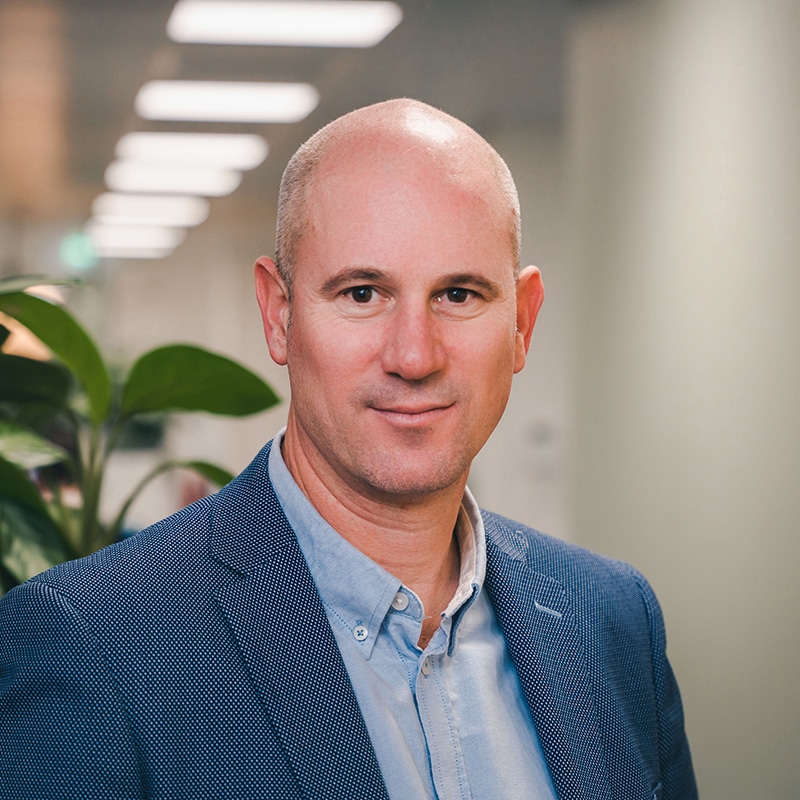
70	69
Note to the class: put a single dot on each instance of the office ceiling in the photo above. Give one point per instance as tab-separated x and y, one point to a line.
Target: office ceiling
70	69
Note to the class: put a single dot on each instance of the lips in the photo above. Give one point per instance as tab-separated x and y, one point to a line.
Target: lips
412	409
412	414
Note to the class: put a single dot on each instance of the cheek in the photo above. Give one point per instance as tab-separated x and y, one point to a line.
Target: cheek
325	363
491	367
490	351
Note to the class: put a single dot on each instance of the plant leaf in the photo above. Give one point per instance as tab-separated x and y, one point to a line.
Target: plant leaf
187	378
15	487
216	474
29	544
61	332
18	283
27	449
26	379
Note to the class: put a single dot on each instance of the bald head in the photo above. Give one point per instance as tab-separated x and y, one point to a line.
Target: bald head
377	134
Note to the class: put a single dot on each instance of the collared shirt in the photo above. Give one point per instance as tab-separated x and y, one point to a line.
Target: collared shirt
447	722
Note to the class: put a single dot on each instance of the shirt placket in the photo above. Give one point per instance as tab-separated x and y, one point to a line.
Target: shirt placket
436	716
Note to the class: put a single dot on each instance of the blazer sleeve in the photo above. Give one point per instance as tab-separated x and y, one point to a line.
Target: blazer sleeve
677	774
63	730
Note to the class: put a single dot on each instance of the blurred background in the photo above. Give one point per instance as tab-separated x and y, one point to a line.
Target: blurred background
656	147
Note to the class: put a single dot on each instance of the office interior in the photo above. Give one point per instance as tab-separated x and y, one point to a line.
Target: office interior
656	148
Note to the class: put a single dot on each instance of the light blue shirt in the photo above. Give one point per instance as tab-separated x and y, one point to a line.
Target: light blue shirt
449	722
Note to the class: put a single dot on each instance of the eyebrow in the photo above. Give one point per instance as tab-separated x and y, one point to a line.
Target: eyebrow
349	276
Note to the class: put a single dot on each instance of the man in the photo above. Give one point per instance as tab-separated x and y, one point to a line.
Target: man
341	621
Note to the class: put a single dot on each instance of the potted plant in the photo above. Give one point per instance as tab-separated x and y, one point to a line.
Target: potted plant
61	420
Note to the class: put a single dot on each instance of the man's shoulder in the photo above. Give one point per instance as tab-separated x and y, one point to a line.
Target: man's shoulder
566	562
181	543
169	546
604	593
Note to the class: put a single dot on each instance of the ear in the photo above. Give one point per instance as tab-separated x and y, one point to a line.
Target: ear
273	300
530	294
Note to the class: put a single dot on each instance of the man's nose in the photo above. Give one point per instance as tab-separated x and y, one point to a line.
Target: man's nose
413	348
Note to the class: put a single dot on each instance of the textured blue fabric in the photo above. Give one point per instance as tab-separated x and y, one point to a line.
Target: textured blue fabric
194	660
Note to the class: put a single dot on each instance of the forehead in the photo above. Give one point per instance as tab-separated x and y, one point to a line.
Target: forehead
426	151
399	191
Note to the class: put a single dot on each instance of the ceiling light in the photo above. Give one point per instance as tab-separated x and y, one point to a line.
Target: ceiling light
132	252
134	176
153	237
226	101
149	209
234	150
352	23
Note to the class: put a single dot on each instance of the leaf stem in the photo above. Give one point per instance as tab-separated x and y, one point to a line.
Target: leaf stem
116	526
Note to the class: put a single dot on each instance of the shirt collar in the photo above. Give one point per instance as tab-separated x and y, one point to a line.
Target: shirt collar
352	586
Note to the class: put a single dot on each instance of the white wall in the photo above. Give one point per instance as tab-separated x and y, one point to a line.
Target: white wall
684	135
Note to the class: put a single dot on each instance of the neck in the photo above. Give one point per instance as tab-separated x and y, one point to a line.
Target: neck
411	538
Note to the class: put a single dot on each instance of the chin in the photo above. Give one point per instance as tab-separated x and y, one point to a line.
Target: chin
414	484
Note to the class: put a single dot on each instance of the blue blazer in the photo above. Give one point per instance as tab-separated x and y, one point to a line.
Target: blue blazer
195	660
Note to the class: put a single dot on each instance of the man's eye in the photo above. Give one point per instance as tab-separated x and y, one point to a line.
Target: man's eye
361	294
457	295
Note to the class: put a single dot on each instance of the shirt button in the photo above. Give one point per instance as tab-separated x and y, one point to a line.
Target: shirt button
426	667
360	633
400	602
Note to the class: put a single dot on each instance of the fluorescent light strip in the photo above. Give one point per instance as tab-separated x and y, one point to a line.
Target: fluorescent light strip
133	176
319	24
149	209
226	101
153	237
132	252
233	150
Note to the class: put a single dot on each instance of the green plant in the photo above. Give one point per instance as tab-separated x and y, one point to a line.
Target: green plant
61	420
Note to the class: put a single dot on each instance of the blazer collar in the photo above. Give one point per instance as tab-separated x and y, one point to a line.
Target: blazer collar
279	623
541	630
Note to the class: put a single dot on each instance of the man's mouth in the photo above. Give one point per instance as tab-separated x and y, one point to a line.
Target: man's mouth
411	414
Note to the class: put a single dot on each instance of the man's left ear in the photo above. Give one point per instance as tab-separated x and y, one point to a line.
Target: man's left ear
530	294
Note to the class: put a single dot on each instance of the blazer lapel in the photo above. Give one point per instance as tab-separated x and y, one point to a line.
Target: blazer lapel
543	639
279	623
